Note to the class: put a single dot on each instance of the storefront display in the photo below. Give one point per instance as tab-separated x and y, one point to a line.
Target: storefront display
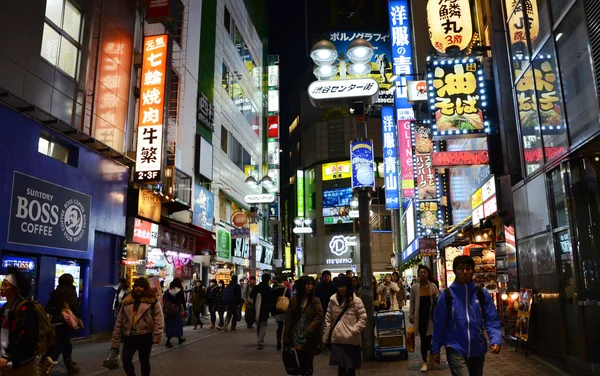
68	267
224	275
26	265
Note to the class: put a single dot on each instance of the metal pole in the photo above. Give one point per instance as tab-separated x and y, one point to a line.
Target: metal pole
252	246
366	261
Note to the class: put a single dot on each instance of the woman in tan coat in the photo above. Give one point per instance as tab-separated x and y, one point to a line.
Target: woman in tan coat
141	321
345	319
423	298
387	291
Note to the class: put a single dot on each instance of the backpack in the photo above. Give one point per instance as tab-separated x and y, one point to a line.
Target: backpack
282	303
46	334
480	296
171	309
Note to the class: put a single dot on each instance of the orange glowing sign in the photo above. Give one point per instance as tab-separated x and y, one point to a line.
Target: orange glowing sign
153	80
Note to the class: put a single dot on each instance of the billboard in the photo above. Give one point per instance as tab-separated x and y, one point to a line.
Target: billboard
390	158
363	165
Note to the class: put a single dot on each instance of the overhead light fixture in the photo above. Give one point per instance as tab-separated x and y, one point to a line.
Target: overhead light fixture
360	51
323	53
359	69
354	202
325	72
307	222
266	181
558	36
298	221
251	181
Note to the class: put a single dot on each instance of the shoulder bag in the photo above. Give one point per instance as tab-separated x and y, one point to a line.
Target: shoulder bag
283	302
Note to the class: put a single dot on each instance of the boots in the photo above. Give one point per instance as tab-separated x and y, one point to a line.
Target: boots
278	344
46	366
72	367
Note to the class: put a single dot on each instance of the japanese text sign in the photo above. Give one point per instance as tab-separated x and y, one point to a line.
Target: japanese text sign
401	49
206	112
151	113
458	96
427	214
273	131
460	158
363	165
406	158
300	192
157	11
145	232
518	20
337	89
390	158
450	24
337	170
483	201
223	245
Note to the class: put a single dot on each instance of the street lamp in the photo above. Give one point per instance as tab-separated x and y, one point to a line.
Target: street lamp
302	225
324	55
268	183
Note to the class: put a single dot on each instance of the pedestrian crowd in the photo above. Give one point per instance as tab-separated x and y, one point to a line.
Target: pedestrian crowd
312	317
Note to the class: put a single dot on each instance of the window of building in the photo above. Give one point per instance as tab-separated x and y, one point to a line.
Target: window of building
227	20
226	79
530	122
61	36
539	34
173	106
52	149
175	27
224	139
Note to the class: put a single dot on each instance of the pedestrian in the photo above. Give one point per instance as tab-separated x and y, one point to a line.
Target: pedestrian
345	319
356	286
279	290
387	293
326	289
349	273
250	315
422	304
263	308
141	322
303	322
198	299
174	308
463	311
401	294
64	296
19	334
122	291
219	306
232	298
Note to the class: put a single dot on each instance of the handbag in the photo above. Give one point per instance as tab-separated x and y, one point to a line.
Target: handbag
335	323
112	359
283	302
69	317
290	362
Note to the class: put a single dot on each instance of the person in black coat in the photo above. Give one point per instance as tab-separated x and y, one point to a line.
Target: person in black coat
174	307
266	305
232	299
326	289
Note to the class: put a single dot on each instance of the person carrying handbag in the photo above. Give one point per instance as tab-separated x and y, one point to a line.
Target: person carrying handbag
303	323
281	295
345	319
63	309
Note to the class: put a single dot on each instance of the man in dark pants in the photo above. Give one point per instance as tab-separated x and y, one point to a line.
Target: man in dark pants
266	304
232	297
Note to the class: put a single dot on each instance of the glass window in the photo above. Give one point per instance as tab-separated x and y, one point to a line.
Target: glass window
558	7
549	102
238	40
224	141
226	78
61	36
567	265
579	89
559	199
52	149
538	22
519	45
227	20
530	123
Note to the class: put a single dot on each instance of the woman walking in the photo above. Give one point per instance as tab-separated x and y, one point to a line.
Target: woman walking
174	307
401	294
122	291
387	293
423	299
303	325
345	319
197	300
141	322
219	305
356	286
278	291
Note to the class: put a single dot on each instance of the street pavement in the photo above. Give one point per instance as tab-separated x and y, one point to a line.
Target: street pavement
210	352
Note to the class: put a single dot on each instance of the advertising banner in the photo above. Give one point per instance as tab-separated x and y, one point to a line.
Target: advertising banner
204	208
406	158
363	165
145	232
273	122
336	170
390	158
300	192
223	245
401	54
158	11
48	215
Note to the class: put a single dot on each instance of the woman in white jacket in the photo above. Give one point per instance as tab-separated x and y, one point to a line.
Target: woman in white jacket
387	293
345	319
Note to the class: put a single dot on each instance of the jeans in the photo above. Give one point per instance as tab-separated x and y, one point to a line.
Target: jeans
305	362
62	344
261	331
279	330
460	366
232	316
213	315
143	345
425	342
221	318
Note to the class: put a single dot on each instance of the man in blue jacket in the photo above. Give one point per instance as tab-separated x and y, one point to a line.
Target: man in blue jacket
460	328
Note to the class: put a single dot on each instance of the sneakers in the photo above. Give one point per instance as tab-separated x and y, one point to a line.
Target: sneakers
219	328
424	367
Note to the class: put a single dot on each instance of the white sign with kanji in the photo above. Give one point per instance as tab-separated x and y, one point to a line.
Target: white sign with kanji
340	89
149	151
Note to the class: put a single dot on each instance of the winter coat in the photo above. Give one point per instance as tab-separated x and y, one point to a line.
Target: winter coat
218	302
313	324
324	292
237	294
266	299
56	303
175	296
462	328
211	293
391	290
198	298
347	331
415	306
246	296
150	319
22	334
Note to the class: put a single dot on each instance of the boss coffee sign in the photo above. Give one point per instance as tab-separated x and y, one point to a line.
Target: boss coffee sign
46	214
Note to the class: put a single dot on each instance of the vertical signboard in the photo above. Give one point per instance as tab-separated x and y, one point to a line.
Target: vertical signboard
158	11
401	55
406	158
151	114
390	158
300	192
363	165
273	130
223	245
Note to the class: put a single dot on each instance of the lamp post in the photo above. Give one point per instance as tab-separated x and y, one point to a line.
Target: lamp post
359	54
303	226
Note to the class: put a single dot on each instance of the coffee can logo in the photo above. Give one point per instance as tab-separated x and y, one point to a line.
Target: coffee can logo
73	220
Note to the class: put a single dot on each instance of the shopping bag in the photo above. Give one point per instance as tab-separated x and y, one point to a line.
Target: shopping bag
69	317
112	359
290	362
410	339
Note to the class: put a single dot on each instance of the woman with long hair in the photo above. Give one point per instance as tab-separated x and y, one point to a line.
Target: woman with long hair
356	286
423	298
387	291
345	319
279	290
401	294
141	322
303	325
174	307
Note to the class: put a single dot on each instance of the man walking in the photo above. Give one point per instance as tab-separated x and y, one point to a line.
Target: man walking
325	289
263	302
459	319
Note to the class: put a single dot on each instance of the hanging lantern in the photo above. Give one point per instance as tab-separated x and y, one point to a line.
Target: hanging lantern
517	20
450	24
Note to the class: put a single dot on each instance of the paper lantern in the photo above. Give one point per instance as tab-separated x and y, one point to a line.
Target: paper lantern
517	20
450	24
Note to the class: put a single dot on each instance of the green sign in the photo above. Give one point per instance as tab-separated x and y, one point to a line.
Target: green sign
223	244
300	192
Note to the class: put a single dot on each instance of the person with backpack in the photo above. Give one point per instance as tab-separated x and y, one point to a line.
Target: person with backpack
281	294
21	328
141	322
63	297
458	322
174	308
422	304
232	298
